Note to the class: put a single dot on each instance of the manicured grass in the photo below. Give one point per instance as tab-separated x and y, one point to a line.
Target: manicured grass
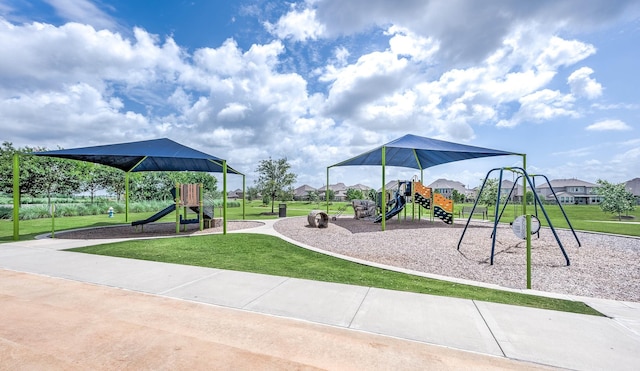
273	256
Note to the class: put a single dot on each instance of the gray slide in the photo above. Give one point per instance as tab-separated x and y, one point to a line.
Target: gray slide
155	216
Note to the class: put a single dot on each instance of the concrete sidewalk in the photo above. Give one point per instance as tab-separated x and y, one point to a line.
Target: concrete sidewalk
543	337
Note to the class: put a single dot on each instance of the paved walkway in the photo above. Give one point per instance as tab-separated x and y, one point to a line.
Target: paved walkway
542	337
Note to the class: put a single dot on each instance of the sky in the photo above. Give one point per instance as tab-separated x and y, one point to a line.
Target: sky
320	81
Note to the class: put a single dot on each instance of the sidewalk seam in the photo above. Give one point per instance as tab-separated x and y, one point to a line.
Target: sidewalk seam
264	293
355	314
165	292
489	328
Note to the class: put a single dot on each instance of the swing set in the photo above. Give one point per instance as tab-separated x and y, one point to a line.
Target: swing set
519	225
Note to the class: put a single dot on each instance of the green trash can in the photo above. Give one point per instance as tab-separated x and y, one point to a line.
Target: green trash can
282	210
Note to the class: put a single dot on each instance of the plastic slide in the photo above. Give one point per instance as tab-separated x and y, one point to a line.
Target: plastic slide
400	202
155	216
205	213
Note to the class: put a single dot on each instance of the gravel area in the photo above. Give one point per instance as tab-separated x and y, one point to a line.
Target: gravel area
150	230
605	266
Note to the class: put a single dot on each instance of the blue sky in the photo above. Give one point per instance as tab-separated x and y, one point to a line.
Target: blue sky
321	81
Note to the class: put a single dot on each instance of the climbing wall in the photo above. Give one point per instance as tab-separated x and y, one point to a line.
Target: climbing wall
443	208
422	195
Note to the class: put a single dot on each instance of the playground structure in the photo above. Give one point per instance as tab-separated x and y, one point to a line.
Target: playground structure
186	197
408	192
522	224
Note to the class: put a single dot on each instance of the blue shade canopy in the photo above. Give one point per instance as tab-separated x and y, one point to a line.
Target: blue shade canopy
420	153
149	155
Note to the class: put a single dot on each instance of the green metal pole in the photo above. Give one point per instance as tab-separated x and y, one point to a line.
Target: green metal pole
528	219
224	197
201	208
126	197
383	199
16	196
177	201
53	220
244	198
326	192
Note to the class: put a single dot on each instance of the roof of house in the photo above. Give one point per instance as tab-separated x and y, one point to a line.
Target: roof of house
447	184
633	186
562	183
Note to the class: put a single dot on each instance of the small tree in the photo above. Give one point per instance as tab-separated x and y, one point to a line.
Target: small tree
331	194
615	198
274	179
489	194
252	193
354	194
372	195
457	196
313	196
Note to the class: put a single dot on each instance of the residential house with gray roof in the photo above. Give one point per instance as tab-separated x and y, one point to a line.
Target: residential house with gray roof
569	191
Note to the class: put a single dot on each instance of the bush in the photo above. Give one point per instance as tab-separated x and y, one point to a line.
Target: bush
233	203
6	212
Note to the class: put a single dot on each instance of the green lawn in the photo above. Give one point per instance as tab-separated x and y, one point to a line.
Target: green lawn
271	255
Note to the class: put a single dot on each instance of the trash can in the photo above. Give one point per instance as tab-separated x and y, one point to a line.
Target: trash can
282	210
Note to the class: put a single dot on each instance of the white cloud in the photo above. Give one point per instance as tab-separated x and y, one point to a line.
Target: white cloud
448	70
297	25
608	125
233	112
82	11
406	43
582	85
469	31
562	52
541	106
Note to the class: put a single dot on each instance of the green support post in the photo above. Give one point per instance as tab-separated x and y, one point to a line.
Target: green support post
224	197
16	197
53	220
527	218
201	208
126	197
326	192
383	198
177	201
244	195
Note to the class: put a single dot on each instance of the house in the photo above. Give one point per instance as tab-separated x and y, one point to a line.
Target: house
446	187
633	186
516	192
302	193
340	190
569	191
234	195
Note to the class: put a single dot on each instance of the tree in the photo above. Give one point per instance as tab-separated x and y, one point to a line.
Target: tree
252	193
457	196
93	177
331	194
615	198
354	194
274	179
28	169
489	194
312	196
372	195
55	176
113	181
209	182
530	197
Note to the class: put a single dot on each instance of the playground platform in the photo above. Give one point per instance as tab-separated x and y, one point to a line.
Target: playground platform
395	328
